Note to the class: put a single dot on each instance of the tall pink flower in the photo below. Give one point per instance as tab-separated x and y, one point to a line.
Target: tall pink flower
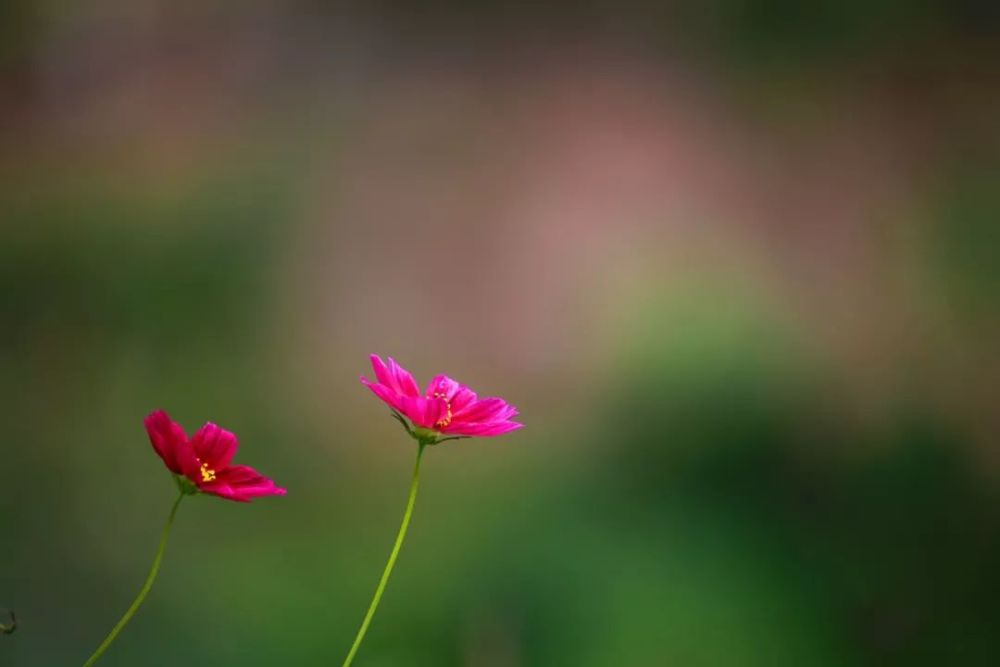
446	408
205	460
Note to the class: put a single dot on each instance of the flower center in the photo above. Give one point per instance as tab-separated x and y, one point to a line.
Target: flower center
207	474
444	421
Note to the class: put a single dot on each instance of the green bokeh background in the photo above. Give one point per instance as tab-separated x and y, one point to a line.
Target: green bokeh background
736	263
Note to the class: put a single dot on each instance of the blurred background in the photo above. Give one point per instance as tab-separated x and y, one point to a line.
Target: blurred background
735	261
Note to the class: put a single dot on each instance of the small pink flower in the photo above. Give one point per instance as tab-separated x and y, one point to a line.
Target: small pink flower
446	408
205	459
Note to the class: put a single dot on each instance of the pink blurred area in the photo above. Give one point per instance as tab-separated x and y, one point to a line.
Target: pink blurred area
530	194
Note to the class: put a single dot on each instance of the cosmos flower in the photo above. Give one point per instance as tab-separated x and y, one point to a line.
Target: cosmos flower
202	463
446	408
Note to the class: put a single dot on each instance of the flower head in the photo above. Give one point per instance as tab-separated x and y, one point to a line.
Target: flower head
202	463
446	408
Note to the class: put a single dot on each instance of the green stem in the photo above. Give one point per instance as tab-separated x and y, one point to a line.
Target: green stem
145	587
392	559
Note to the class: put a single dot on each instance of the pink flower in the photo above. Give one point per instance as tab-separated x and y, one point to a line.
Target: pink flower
204	460
446	408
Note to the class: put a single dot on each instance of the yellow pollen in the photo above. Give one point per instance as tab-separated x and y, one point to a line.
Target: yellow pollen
207	474
444	421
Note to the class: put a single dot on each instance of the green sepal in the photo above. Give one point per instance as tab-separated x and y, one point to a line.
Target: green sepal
424	436
186	486
402	420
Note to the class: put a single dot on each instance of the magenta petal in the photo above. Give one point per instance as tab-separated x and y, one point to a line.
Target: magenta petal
486	410
442	386
240	474
484	430
424	412
394	376
222	490
394	400
261	490
435	411
214	446
405	383
168	439
382	374
463	398
245	483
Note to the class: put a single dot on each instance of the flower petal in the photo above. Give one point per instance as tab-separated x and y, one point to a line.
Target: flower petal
463	398
404	380
483	430
390	397
214	446
242	484
424	412
169	440
485	410
442	386
394	376
381	370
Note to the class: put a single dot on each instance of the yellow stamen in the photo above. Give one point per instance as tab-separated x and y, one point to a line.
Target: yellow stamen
207	474
444	421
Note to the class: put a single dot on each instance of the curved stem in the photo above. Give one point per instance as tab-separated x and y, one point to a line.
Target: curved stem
392	559
145	587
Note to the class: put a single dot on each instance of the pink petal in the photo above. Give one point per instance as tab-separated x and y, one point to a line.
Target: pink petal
168	439
267	488
241	483
425	412
394	376
223	490
381	371
484	430
485	410
462	399
393	399
239	474
442	386
459	397
404	381
214	446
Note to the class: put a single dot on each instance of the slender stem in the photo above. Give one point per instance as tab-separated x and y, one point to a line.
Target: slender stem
145	587
392	559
